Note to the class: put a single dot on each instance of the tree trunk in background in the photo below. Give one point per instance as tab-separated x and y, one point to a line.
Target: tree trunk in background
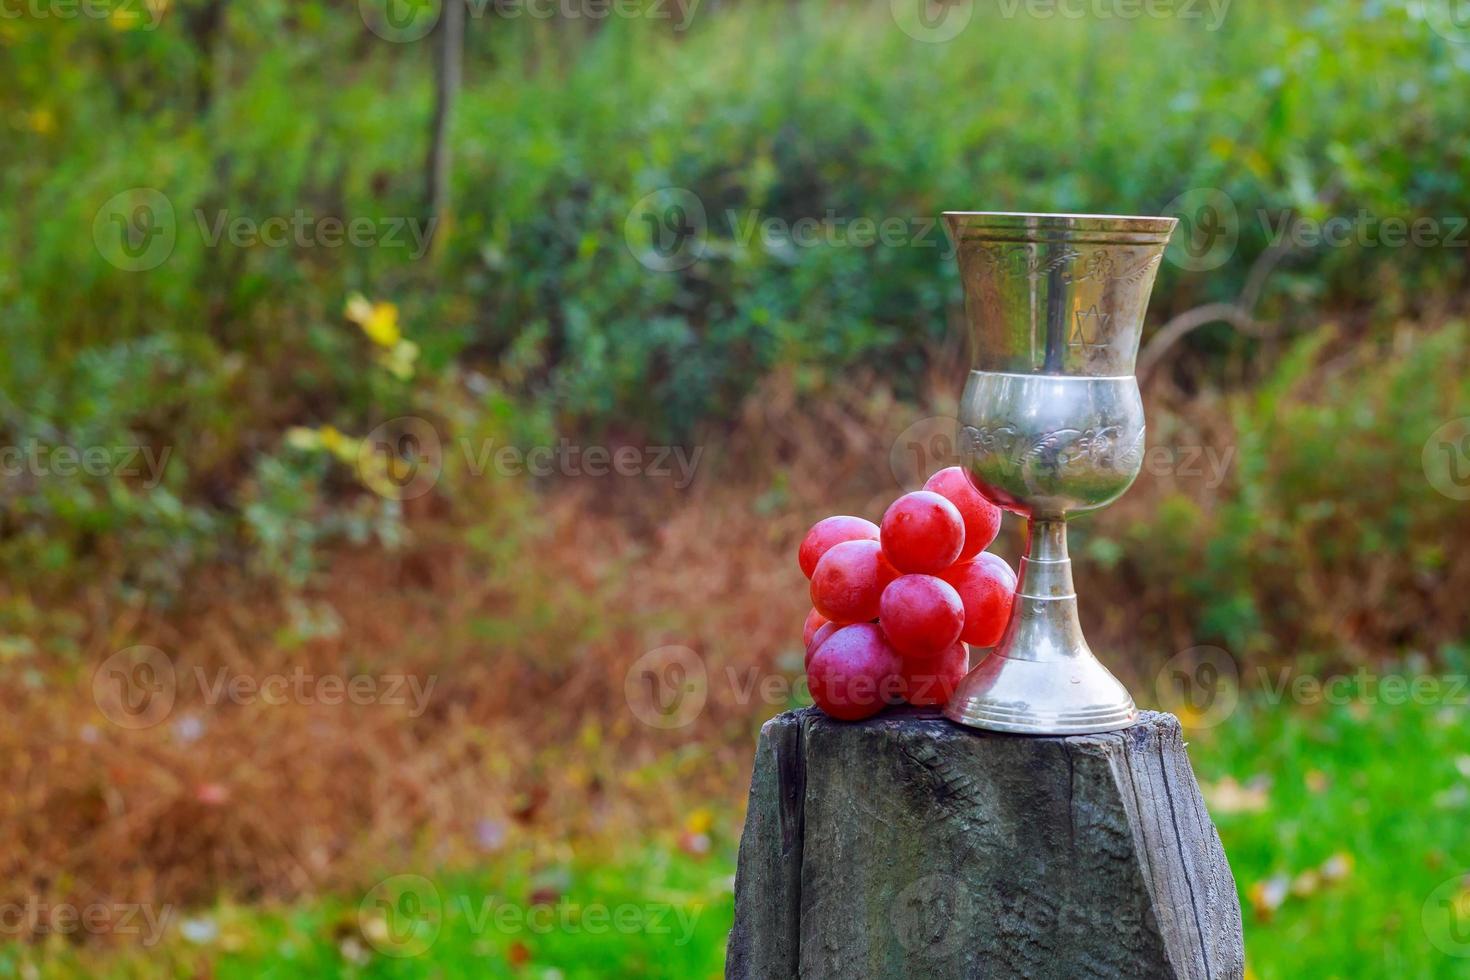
202	22
447	71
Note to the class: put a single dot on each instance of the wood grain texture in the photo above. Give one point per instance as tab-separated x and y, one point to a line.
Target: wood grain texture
907	846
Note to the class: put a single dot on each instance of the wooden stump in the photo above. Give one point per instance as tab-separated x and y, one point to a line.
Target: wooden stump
906	846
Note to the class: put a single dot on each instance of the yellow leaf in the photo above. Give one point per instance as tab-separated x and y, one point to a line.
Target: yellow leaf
700	821
378	320
331	437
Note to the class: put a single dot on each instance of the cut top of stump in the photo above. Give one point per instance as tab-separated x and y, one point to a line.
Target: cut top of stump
909	846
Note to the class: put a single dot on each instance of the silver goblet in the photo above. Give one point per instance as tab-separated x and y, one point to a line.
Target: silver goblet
1051	424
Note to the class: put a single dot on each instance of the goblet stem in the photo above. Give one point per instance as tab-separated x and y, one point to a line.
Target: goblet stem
1044	623
1042	679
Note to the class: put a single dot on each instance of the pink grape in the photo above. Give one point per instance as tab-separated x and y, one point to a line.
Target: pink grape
849	581
854	673
987	587
814	622
921	615
933	681
922	532
981	517
828	532
818	638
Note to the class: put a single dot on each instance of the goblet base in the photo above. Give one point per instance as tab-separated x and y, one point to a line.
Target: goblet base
1072	696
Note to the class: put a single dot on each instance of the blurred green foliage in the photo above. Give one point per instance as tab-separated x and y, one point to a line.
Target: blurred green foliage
533	296
1328	537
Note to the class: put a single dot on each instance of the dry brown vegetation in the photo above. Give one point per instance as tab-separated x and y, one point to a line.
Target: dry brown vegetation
527	617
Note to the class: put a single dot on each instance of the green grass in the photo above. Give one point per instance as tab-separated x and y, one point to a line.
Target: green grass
1374	793
654	914
1383	785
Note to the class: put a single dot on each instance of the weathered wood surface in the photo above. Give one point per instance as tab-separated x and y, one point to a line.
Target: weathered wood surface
909	847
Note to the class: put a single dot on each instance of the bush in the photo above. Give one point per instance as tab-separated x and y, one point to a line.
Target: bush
534	286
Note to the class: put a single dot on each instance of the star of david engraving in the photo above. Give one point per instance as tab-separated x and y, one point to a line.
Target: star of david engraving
1090	331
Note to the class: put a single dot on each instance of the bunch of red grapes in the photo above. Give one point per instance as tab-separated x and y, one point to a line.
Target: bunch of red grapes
897	606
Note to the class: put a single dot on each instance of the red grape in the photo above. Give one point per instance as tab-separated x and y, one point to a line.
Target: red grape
849	581
828	532
921	615
987	586
981	517
922	532
818	638
933	681
814	622
853	674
